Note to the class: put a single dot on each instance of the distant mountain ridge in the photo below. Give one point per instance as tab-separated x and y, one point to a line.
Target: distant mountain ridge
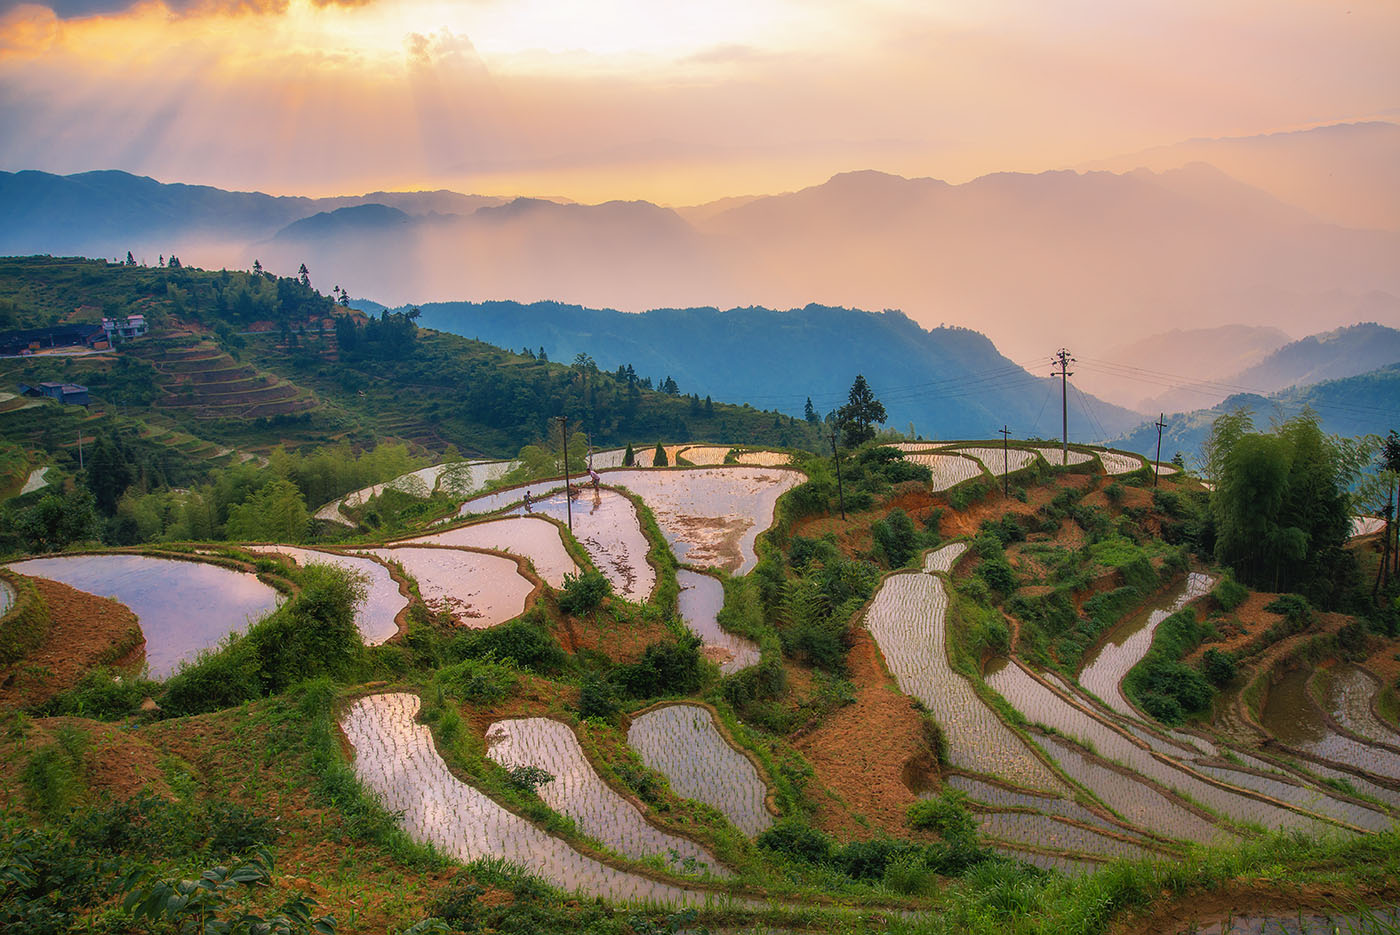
948	382
1357	405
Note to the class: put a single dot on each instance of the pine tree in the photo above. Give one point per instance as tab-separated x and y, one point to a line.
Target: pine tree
629	457
858	417
658	457
809	413
304	276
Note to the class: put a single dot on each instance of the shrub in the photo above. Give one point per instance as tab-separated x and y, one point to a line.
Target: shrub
1229	593
1293	607
583	593
478	681
896	538
1219	667
529	778
665	668
596	698
796	840
965	494
998	575
945	815
523	640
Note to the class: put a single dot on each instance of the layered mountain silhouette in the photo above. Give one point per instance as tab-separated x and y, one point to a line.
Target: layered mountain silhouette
1088	260
947	382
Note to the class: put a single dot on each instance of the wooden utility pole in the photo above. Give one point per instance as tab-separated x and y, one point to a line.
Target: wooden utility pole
1063	360
1005	462
568	493
840	494
1157	465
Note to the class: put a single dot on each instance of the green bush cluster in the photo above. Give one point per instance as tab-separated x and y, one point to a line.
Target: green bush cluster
665	668
1161	684
1229	593
584	593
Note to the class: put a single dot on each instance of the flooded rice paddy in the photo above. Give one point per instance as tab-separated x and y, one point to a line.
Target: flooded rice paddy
183	607
476	589
606	524
37	480
1137	803
7	598
1292	717
527	536
1347	692
948	470
764	458
1057	456
906	618
463	478
580	793
705	455
1000	797
682	742
999	461
1118	463
396	760
1130	640
1314	800
375	616
701	599
943	559
711	516
1056	834
1069	866
1043	706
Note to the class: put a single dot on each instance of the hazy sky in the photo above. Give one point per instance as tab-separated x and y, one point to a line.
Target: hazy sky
673	102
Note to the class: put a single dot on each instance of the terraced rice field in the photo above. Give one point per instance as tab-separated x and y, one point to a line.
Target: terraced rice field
1139	804
182	607
764	458
711	516
948	470
1347	692
606	524
1128	642
463	478
1040	705
995	796
396	760
1115	462
907	447
906	617
37	480
681	742
997	461
1314	800
580	793
476	589
527	536
1164	469
611	458
943	559
1056	456
1056	834
642	456
701	599
1066	865
705	455
1293	718
375	616
1366	525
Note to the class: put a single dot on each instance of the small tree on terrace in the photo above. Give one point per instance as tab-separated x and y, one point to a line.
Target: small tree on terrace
658	457
858	417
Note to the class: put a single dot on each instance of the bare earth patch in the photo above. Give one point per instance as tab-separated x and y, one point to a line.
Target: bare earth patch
864	751
86	631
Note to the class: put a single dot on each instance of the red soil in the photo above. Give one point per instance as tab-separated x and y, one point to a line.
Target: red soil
84	633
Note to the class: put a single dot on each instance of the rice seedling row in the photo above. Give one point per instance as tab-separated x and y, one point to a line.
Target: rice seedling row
1313	800
1059	458
476	589
995	796
1041	705
1138	803
682	742
527	536
1347	692
1115	462
997	461
1292	717
1127	644
376	614
1055	834
906	618
580	793
606	525
396	760
944	558
948	470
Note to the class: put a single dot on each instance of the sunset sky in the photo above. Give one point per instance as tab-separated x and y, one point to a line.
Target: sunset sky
674	102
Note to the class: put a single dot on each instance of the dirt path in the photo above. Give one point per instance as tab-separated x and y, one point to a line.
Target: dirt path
87	631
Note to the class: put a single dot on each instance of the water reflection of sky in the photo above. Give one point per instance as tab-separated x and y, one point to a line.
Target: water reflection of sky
183	607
